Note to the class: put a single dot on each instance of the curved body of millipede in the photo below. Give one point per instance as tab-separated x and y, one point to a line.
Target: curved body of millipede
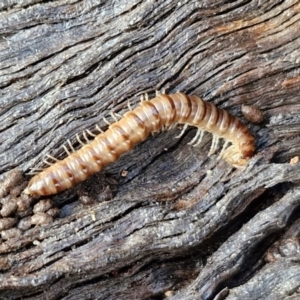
134	127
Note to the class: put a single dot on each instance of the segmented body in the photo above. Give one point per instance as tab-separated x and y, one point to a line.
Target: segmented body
134	127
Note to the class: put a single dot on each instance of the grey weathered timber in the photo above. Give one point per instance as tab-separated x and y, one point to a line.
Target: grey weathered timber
166	221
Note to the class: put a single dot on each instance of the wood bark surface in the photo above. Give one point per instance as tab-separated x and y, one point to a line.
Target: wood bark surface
168	221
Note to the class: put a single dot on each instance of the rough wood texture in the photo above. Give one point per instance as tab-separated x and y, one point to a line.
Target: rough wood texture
177	224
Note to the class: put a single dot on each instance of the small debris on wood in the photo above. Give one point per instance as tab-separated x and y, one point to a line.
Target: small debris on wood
6	223
168	293
24	213
23	205
10	233
18	189
53	212
294	160
9	206
124	173
101	188
43	206
13	178
85	199
252	114
41	219
25	223
289	247
4	263
21	210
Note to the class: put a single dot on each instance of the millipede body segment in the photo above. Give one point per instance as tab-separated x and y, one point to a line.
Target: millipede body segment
134	127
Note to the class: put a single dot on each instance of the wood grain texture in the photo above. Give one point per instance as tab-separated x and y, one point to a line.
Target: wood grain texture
180	224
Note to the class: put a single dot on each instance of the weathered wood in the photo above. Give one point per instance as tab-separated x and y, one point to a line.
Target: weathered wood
176	223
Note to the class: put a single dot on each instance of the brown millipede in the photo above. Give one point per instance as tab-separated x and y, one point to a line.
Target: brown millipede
135	126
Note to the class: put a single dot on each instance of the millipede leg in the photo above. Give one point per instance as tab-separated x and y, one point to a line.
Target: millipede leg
79	140
196	137
142	98
66	150
129	105
114	116
210	152
47	162
34	171
90	133
157	92
223	150
185	126
71	146
106	121
172	126
199	139
85	137
52	157
214	145
37	169
99	129
146	96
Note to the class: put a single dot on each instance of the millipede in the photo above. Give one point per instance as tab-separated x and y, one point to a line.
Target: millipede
163	111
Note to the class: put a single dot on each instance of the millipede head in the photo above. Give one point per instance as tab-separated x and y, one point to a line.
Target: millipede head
234	157
247	147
